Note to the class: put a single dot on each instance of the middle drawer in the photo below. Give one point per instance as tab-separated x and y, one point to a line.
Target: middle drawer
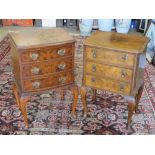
108	71
43	68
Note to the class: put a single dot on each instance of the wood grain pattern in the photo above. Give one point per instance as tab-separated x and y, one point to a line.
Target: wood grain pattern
37	84
45	62
117	41
46	53
131	108
112	63
108	84
109	57
40	37
107	71
45	68
75	93
22	103
42	60
16	65
83	92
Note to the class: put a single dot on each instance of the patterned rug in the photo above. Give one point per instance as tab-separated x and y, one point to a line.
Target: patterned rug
49	115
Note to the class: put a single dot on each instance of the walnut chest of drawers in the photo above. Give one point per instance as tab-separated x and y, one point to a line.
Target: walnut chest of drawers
113	62
43	59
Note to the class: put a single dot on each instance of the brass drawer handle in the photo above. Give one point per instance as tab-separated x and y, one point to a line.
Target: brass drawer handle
36	85
35	70
62	79
124	57
34	56
61	52
94	68
62	66
93	79
123	74
94	53
121	87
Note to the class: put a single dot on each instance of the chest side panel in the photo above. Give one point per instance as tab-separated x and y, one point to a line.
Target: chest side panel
139	73
16	65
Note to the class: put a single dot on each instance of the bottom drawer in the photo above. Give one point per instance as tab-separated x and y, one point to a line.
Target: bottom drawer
44	83
108	84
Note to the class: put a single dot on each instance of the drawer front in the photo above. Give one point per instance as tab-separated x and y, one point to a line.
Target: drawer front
109	57
107	84
48	82
35	69
46	53
108	71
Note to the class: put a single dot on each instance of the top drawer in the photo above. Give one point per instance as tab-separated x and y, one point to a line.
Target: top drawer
46	53
109	57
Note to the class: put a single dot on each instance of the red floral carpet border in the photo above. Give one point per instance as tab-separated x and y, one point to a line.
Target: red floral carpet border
4	47
48	114
149	78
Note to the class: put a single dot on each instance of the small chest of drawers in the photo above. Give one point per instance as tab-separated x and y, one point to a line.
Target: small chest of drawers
112	62
43	59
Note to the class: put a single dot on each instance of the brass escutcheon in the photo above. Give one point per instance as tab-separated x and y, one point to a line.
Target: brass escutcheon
61	52
93	79
34	56
36	84
121	87
123	73
94	68
35	70
124	57
62	66
94	53
62	79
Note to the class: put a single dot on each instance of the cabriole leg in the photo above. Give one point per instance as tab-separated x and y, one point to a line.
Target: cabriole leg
131	108
75	99
83	92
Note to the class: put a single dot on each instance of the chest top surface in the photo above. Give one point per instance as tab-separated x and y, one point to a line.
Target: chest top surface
40	37
118	41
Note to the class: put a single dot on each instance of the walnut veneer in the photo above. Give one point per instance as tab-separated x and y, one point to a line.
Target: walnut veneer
43	59
112	62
